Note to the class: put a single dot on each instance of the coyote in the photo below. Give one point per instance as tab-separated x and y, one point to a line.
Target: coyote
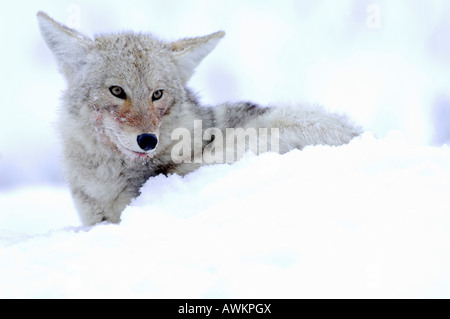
126	95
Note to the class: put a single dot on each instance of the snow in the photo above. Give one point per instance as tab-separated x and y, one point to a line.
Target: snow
369	219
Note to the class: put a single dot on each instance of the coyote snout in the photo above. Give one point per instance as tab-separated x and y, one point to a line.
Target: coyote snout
135	135
134	143
147	141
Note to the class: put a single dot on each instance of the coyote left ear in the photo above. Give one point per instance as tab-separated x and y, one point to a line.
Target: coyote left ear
69	46
188	53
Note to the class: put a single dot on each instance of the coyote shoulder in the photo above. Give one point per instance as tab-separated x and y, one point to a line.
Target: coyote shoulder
126	96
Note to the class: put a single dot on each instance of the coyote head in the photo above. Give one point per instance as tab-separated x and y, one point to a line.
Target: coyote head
124	84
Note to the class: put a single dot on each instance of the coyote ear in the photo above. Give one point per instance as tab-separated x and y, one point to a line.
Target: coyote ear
188	53
69	46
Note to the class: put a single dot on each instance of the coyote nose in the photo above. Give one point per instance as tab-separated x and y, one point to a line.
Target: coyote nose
147	141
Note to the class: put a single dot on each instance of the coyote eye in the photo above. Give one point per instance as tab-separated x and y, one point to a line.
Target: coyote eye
157	95
117	91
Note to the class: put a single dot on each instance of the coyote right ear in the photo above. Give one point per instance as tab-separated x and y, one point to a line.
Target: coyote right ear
188	53
69	46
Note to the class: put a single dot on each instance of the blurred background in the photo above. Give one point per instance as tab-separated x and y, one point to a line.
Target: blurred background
385	63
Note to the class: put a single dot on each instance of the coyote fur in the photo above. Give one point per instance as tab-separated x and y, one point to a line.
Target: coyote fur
126	93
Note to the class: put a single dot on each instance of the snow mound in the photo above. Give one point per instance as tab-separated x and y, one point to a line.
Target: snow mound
368	219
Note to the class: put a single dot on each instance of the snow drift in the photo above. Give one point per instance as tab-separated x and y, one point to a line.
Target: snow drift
368	219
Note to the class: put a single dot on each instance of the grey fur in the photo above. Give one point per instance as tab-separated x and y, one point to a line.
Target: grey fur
102	161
